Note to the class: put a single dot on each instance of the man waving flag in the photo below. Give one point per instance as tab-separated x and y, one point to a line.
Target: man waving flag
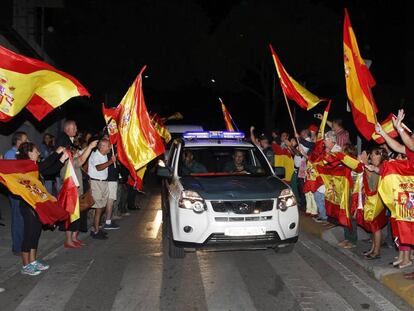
359	82
36	85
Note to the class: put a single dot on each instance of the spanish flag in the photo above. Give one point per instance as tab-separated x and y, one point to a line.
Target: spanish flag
396	188
138	140
359	82
370	211
337	181
283	158
388	128
293	89
228	120
21	177
110	115
30	83
68	197
160	127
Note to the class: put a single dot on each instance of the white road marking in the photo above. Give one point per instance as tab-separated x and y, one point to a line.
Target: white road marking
351	278
306	285
140	287
152	228
55	289
223	285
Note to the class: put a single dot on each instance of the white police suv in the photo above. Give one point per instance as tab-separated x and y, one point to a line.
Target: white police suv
220	191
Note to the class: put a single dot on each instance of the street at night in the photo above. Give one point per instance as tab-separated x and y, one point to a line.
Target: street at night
132	271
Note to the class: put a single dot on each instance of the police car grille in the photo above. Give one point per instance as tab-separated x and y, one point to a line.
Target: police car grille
251	218
242	207
221	238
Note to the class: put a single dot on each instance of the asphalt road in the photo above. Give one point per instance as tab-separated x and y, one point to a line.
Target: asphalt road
131	271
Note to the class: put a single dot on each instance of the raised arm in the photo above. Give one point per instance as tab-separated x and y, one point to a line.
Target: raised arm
405	137
84	156
391	142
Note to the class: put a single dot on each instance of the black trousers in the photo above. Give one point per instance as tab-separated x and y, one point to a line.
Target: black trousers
32	228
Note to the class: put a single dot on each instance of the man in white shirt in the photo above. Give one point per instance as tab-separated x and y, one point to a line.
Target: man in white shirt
98	172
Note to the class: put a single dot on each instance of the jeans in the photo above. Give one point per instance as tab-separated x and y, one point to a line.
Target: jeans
351	234
17	224
320	203
49	186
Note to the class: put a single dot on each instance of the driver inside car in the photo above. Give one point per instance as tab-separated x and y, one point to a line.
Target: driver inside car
190	165
238	164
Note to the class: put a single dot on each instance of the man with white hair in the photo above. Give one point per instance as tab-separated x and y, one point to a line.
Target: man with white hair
330	147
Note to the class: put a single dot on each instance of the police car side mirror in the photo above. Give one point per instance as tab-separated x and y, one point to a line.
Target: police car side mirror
280	171
164	172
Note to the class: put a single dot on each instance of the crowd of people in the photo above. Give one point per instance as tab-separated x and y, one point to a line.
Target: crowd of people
311	190
103	190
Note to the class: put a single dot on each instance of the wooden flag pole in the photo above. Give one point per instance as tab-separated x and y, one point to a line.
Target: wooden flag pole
290	114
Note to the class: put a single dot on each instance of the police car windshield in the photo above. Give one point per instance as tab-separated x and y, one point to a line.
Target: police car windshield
222	161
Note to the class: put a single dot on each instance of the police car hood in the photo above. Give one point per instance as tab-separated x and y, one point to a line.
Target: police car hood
234	187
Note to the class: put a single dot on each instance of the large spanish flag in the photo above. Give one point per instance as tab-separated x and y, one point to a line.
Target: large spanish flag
396	188
292	89
228	120
337	181
359	82
283	158
68	197
21	177
36	85
138	141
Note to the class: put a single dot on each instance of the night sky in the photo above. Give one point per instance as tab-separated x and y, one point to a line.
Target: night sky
187	43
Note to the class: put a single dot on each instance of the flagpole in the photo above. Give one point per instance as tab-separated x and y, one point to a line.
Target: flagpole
290	114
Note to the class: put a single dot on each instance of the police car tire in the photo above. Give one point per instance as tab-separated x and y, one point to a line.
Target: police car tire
284	250
173	250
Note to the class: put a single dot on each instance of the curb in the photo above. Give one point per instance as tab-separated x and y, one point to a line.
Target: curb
386	276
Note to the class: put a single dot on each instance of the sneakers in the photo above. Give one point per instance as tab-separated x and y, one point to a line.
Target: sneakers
111	226
320	220
125	214
39	265
30	269
100	235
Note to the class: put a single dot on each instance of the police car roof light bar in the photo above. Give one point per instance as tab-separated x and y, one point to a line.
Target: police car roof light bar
213	134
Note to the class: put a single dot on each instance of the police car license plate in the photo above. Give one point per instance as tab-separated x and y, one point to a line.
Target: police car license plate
245	231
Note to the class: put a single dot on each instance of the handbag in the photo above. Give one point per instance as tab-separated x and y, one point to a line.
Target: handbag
86	201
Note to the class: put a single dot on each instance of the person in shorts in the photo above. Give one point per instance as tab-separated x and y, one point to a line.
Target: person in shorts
98	173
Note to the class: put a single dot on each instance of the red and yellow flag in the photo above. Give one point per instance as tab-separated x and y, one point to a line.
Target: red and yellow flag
337	181
21	177
370	211
36	85
396	188
68	197
283	158
388	128
359	82
293	89
228	120
160	127
110	116
138	140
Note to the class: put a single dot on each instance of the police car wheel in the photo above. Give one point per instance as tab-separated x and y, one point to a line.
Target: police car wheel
173	250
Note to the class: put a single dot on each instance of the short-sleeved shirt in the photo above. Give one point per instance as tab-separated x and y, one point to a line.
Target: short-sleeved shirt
10	154
270	156
95	159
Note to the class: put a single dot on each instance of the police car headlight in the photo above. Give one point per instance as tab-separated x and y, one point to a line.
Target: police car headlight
192	200
286	199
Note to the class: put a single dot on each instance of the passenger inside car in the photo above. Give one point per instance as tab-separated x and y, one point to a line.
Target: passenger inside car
238	164
190	165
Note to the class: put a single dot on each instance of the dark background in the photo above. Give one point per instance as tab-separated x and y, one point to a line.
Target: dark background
186	44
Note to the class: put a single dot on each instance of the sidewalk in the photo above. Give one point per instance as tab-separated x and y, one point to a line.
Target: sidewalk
10	264
381	268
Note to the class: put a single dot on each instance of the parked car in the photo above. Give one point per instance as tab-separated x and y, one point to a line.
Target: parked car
209	200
